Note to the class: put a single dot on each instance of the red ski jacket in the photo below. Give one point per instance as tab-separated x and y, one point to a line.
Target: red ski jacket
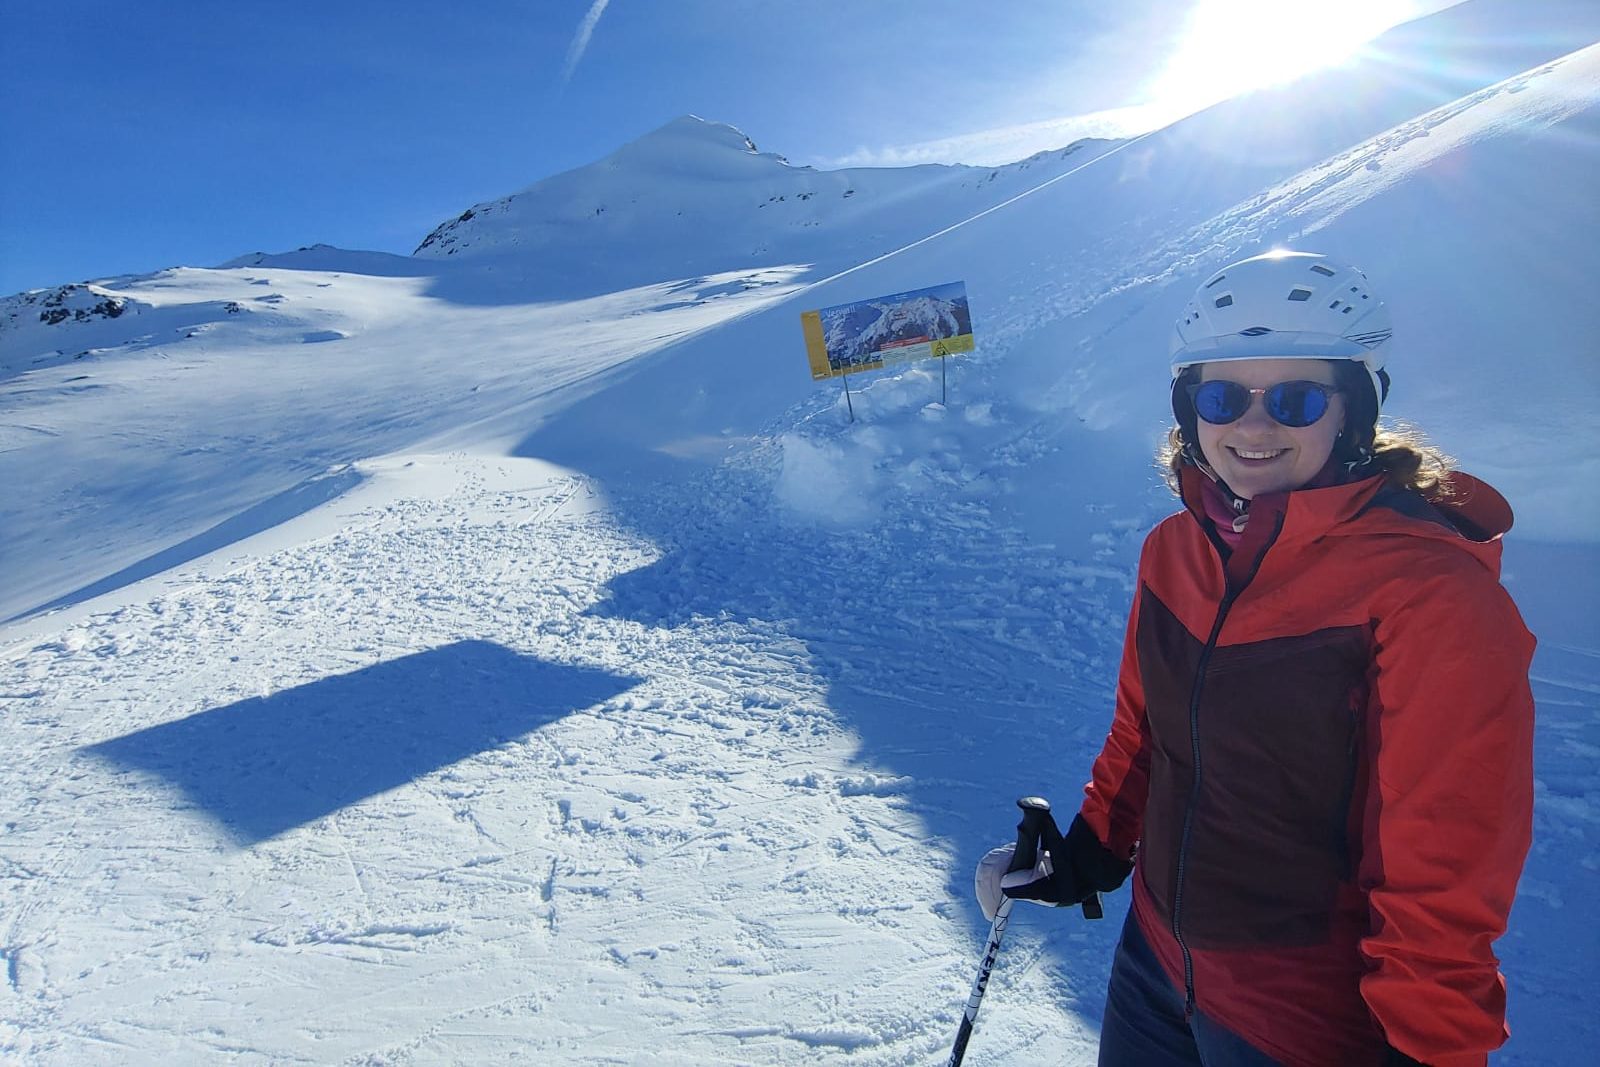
1322	749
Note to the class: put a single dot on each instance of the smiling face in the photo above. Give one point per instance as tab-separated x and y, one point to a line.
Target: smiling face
1258	454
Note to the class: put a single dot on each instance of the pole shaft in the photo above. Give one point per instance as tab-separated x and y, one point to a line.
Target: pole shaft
1035	811
969	1018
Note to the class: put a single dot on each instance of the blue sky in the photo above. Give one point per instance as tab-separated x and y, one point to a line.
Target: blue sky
160	133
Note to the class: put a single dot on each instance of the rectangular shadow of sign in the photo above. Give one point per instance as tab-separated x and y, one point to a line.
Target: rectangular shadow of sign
267	765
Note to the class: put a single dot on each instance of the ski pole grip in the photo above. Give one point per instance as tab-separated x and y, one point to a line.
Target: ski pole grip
1035	813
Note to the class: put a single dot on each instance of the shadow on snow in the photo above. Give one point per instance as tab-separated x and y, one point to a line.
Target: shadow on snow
263	766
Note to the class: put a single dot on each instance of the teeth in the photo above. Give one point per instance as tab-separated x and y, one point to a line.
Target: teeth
1258	455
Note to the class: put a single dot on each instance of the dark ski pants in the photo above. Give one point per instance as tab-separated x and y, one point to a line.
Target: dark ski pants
1144	1024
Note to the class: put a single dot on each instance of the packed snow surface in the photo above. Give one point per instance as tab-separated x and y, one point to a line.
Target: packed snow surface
445	659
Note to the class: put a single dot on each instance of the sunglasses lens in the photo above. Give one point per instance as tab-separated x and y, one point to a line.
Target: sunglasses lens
1297	404
1220	402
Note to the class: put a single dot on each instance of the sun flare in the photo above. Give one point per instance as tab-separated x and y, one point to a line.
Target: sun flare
1233	46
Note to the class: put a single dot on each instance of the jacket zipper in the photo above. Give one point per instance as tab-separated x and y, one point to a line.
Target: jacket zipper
1230	594
1194	800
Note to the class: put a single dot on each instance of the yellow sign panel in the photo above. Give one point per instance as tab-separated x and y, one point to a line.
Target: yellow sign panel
816	349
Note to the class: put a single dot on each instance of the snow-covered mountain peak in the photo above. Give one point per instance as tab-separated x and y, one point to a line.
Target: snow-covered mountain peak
682	182
688	139
695	198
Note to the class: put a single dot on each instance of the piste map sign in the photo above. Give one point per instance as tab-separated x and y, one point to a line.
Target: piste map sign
870	334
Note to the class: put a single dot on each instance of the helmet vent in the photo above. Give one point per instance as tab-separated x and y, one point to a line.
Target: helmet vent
1225	300
1299	294
1334	306
1215	280
1255	331
1320	269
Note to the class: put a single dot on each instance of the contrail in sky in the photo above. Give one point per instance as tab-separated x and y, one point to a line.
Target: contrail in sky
580	41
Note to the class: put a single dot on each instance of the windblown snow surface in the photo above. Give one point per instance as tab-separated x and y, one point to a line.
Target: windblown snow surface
405	666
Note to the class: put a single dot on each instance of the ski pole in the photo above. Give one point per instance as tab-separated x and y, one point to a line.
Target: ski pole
1035	810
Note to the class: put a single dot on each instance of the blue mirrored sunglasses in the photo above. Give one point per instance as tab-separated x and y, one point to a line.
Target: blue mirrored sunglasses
1293	404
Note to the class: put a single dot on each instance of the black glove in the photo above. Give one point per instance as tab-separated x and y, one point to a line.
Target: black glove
1080	866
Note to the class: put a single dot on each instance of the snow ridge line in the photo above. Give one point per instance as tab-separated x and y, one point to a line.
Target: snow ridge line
974	218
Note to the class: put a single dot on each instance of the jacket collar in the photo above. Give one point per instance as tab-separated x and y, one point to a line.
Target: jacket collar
1471	514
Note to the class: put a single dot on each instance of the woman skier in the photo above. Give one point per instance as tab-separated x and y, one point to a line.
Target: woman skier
1319	769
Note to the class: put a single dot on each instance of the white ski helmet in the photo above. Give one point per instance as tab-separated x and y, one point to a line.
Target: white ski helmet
1285	305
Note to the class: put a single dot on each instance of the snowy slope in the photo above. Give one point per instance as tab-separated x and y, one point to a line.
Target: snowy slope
569	681
133	456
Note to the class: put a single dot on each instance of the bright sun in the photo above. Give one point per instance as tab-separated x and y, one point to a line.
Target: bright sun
1233	46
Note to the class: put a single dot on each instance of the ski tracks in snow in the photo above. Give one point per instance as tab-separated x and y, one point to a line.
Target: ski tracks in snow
714	807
